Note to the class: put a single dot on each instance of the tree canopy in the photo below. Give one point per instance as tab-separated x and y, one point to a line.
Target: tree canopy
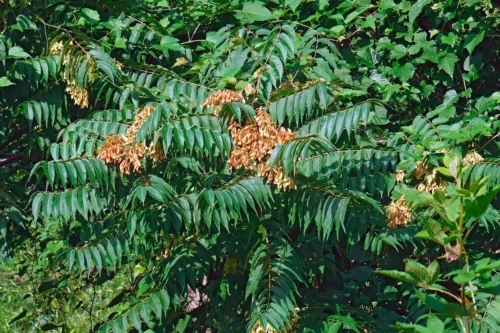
250	166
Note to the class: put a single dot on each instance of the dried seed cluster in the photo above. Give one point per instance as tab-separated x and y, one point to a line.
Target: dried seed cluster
118	65
421	169
123	150
80	96
139	120
400	176
253	145
221	97
472	158
398	213
56	48
429	178
249	89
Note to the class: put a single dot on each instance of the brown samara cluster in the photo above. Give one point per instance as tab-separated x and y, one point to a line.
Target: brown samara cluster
398	213
253	142
253	145
429	178
221	97
472	158
80	96
123	150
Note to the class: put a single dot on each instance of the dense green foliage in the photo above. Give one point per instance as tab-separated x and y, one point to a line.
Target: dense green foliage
130	183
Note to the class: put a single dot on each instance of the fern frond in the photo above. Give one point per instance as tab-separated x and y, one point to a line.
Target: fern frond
370	170
324	205
275	270
66	204
300	105
107	252
360	161
230	111
46	107
78	171
39	70
294	150
162	111
90	127
151	186
231	201
489	167
117	116
489	311
333	125
200	134
270	66
157	303
189	94
74	145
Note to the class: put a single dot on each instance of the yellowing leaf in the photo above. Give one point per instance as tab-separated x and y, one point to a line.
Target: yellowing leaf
180	61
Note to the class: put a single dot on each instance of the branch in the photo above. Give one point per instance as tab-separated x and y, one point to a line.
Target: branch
6	159
14	138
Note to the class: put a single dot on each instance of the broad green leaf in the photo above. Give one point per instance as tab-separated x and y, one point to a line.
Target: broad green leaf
473	40
434	324
417	271
293	4
447	63
401	276
91	15
5	82
18	52
433	271
253	12
416	9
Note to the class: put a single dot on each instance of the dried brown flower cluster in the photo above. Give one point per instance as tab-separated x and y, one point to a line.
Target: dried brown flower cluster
115	151
398	213
253	145
430	180
421	169
221	97
118	65
139	120
276	176
112	150
400	176
123	150
249	89
56	48
472	158
79	95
